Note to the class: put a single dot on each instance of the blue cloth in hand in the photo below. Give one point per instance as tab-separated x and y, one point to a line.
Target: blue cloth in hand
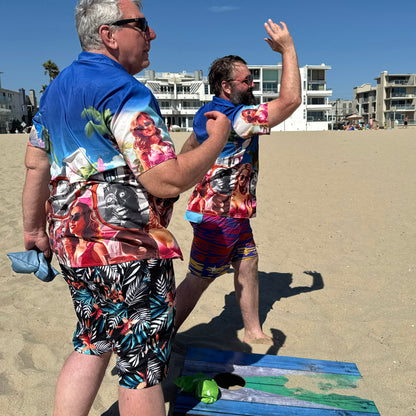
33	262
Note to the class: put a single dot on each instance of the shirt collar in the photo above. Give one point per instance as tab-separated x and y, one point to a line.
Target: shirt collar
223	102
98	57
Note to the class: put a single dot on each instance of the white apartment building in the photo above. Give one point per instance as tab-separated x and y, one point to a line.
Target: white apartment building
180	95
390	101
314	113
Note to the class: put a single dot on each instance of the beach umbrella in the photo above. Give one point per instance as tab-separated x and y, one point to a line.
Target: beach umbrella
354	117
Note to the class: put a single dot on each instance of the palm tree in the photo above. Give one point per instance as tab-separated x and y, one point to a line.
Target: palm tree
52	70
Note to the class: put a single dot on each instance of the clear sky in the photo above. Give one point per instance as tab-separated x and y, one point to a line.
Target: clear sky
358	39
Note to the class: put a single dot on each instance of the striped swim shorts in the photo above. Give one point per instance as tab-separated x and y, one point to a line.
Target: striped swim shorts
218	242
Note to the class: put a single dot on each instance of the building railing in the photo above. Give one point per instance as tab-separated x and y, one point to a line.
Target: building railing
5	100
403	107
316	86
407	82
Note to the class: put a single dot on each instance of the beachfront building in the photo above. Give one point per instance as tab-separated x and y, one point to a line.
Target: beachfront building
180	95
389	102
340	110
16	109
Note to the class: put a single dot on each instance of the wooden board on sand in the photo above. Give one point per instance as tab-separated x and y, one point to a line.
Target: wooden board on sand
274	385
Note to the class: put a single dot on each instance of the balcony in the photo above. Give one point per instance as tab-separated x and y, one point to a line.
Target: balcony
188	96
188	111
164	96
409	107
320	93
406	83
319	107
5	100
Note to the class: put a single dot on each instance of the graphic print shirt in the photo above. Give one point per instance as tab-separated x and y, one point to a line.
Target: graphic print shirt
101	128
229	187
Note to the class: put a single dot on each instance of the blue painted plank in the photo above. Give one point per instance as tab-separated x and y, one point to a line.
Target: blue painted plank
271	361
189	406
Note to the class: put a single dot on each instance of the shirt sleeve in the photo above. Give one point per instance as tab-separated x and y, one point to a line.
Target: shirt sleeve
141	134
35	136
252	120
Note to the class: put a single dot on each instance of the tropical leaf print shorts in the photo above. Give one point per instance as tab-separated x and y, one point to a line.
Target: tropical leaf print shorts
127	308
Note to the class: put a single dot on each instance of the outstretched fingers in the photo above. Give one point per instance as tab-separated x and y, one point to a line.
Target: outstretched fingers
279	35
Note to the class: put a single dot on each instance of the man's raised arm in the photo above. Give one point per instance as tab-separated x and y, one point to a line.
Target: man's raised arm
290	89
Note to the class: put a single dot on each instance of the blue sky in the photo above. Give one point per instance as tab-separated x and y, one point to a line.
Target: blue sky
358	39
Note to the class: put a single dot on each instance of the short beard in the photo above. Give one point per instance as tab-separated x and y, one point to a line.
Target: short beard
243	98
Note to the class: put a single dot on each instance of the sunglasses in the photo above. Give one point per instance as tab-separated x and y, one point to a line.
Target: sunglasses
76	216
140	23
248	80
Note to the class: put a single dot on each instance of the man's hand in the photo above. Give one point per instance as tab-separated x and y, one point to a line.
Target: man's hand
218	125
281	40
39	241
290	88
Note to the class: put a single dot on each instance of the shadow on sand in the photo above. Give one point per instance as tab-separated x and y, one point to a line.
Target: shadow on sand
223	329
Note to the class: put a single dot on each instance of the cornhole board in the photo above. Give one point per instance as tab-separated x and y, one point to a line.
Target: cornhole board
275	385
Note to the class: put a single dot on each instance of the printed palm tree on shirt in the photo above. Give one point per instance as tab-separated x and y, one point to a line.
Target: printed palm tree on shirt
98	122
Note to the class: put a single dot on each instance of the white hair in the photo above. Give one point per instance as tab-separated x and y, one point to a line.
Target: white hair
91	14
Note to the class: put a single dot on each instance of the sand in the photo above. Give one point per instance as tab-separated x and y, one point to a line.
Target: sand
336	233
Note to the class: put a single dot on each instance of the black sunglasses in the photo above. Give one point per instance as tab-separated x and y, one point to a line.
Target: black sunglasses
141	23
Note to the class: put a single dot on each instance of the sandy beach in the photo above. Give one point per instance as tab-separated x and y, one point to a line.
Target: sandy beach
336	235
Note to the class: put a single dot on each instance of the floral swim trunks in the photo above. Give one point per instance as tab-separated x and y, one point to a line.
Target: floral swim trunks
127	308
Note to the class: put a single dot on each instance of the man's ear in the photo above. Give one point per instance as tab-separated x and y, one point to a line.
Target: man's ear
226	88
107	37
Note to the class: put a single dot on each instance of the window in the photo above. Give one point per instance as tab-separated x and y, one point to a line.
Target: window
398	92
166	89
270	75
317	74
256	73
183	89
316	100
316	116
270	86
191	104
164	104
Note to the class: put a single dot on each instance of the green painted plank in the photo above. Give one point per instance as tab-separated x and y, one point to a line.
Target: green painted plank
276	385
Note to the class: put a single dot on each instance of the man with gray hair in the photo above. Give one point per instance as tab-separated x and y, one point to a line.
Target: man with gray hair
98	128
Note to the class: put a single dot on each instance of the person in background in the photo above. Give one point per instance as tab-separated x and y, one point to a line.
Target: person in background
222	232
98	128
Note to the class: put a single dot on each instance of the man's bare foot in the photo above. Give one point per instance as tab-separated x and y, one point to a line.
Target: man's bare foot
264	340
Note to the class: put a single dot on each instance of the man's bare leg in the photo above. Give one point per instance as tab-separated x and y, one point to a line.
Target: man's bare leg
142	402
246	285
187	296
78	383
